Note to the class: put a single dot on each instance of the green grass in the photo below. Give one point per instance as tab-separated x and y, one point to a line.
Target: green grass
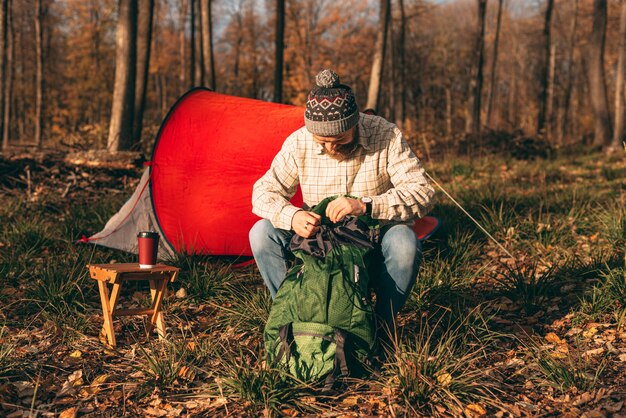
530	286
562	220
441	366
563	371
608	295
202	277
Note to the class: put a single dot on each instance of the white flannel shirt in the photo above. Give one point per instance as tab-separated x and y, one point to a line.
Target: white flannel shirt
382	167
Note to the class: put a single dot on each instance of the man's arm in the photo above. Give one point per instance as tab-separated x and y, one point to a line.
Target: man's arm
412	194
272	192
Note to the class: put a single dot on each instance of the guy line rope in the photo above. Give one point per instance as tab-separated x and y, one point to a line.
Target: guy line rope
469	216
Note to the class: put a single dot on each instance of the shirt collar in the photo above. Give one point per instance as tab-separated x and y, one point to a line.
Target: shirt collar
364	139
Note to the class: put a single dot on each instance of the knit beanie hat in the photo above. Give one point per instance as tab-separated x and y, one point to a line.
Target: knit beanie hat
331	107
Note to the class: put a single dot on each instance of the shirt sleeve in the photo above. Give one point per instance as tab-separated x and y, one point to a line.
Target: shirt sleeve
412	194
272	192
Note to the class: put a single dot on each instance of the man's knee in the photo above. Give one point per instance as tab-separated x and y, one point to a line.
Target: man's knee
260	235
401	245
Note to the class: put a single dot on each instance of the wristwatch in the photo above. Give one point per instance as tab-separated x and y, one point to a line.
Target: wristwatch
368	205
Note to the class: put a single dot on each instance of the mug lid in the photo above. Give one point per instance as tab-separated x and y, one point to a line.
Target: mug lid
147	234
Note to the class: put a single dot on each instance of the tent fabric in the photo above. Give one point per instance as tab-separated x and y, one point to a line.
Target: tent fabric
120	232
207	156
208	153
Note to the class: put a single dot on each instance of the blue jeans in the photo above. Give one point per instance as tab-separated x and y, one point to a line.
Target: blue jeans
400	249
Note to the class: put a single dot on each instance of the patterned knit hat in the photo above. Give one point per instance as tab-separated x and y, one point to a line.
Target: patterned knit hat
331	107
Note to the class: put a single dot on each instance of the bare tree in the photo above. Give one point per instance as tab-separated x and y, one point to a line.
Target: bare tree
279	51
543	92
570	75
121	126
597	83
401	116
494	61
199	68
192	43
550	93
373	93
39	81
182	40
619	85
3	67
477	70
207	42
144	38
8	90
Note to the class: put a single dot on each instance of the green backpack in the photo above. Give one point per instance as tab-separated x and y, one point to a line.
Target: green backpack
321	323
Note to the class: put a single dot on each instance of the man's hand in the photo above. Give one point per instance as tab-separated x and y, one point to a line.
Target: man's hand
344	206
305	224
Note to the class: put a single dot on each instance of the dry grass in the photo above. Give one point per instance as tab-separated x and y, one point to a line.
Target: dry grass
481	331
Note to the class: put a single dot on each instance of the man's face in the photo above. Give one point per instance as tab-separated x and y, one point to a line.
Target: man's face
339	147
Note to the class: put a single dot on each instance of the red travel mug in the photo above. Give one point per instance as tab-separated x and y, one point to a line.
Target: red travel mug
148	242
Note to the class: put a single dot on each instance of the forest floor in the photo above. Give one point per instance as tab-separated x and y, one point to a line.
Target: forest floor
542	333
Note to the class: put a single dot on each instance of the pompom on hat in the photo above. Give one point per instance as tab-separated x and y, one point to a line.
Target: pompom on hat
331	107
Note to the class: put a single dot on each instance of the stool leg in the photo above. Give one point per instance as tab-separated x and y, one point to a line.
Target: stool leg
115	293
158	288
106	313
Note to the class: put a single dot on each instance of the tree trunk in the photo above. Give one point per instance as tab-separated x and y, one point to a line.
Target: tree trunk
121	125
144	41
373	93
39	81
238	44
199	55
192	43
3	67
543	92
570	76
279	51
8	93
207	43
477	69
597	83
619	85
182	41
391	80
402	65
494	61
20	95
550	95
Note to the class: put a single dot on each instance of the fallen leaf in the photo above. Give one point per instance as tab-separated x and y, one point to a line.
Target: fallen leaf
181	293
590	332
595	351
444	379
73	381
186	373
155	412
474	410
554	339
76	354
69	413
350	401
95	386
582	399
573	331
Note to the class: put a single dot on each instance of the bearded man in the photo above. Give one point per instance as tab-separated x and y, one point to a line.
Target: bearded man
341	152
